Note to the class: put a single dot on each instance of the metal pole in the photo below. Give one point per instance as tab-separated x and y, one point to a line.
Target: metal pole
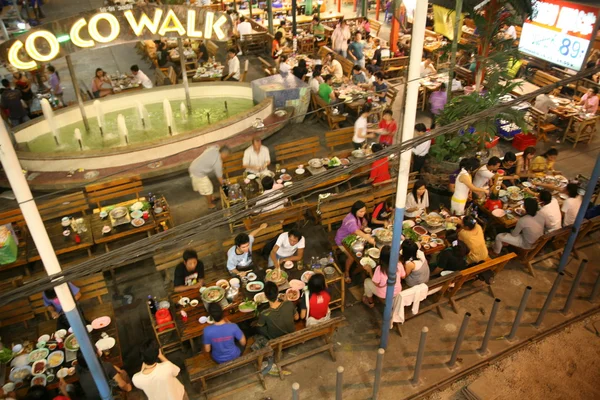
459	340
574	286
420	353
365	8
520	312
339	383
250	8
410	114
77	93
377	7
31	214
294	11
378	368
270	15
587	197
295	391
457	14
483	350
595	290
546	305
186	85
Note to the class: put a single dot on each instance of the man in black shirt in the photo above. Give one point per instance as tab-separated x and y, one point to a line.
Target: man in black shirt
202	52
11	101
190	273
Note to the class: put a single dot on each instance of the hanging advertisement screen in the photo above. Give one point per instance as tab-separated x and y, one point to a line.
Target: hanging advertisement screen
559	32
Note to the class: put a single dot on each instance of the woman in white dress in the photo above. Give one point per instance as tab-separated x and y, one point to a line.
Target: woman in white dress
417	200
464	186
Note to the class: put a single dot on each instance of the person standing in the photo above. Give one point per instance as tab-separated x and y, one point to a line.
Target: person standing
12	101
210	161
388	128
223	340
437	101
361	130
23	85
463	187
243	28
355	51
484	174
380	169
116	377
157	379
55	86
140	78
233	66
189	274
256	157
339	38
420	151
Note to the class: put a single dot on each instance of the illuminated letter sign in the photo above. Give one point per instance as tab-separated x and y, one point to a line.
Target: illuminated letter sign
138	28
76	39
191	25
13	57
115	28
171	19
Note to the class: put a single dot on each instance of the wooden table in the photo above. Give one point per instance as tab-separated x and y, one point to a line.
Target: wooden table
192	328
118	232
525	87
114	356
63	244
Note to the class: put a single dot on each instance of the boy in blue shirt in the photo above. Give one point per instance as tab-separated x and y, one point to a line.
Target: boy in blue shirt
223	340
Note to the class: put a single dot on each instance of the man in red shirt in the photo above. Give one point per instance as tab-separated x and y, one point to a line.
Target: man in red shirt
380	171
388	128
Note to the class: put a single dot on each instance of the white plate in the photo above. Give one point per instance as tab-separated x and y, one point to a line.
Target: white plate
288	265
286	184
43	338
251	276
300	171
251	176
306	276
499	213
563	196
106	343
409	223
297	284
137	222
527	184
136	214
138	205
260	298
262	286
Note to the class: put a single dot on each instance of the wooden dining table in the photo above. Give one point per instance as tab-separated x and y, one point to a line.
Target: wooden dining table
64	244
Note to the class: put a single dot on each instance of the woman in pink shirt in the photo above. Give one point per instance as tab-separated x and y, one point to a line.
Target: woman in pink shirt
377	283
589	101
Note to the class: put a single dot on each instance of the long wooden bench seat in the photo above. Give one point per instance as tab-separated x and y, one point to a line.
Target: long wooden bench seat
323	330
337	207
92	287
584	238
325	112
494	265
16	312
290	154
98	193
528	257
339	138
288	215
201	368
541	79
232	165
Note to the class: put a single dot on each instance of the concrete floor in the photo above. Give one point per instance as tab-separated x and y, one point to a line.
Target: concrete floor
357	343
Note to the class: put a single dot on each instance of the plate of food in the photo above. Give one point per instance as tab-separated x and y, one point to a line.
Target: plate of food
297	284
62	373
137	222
434	219
276	276
261	298
409	223
71	343
315	163
368	262
118	212
513	189
288	264
292	294
38	367
498	213
38	380
255	286
300	171
286	177
213	294
138	205
136	214
281	113
527	184
222	283
56	358
344	161
38	354
516	196
419	230
359	153
106	343
101	322
520	211
247	306
384	235
374	253
502	193
251	276
19	373
306	276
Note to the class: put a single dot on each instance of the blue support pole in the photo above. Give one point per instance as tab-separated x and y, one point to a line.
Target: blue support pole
580	215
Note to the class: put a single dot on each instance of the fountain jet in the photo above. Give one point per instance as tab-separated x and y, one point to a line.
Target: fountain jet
78	138
183	111
123	132
168	115
99	116
49	116
142	113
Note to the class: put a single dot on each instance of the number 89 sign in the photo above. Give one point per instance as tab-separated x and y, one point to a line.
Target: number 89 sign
559	32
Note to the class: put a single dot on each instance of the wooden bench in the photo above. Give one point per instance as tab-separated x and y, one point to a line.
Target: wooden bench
375	27
494	265
541	79
37	305
201	368
584	238
338	206
16	220
232	165
68	205
392	67
97	193
387	189
528	257
255	43
339	138
323	330
92	287
287	215
16	312
540	126
212	48
325	112
297	152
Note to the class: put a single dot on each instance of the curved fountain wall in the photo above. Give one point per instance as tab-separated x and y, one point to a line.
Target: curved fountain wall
147	151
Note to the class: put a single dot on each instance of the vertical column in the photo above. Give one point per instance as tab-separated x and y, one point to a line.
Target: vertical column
77	93
184	76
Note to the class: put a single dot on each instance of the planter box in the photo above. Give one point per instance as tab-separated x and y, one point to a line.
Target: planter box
522	141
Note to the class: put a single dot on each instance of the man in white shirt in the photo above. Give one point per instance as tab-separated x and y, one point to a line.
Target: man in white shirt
256	157
510	32
289	247
486	173
140	78
549	214
284	67
314	81
456	85
421	150
244	28
544	103
157	379
427	67
571	206
233	66
268	194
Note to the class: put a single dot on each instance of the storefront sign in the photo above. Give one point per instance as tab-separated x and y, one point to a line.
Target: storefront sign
109	26
559	32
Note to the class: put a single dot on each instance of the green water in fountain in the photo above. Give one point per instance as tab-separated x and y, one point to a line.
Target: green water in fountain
156	127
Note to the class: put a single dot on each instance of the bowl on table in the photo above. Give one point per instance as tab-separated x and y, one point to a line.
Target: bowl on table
498	213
